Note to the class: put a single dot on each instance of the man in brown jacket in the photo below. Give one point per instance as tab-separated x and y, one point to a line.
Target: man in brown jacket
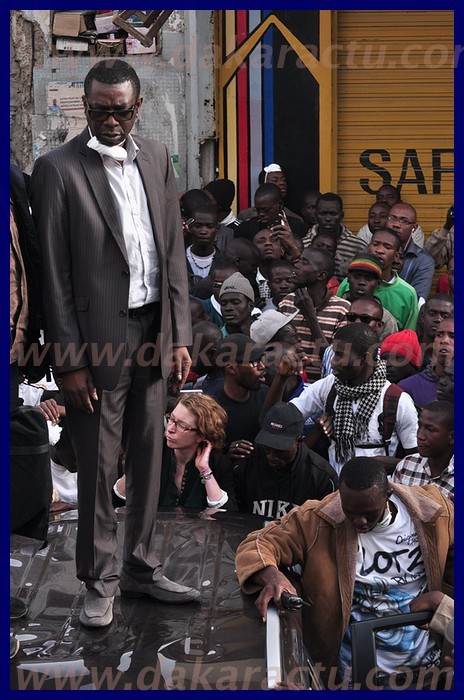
367	550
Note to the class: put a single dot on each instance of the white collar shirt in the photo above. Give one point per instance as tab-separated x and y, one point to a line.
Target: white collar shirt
131	202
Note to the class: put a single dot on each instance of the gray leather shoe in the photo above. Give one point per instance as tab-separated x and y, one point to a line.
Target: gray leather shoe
96	611
14	646
18	608
163	590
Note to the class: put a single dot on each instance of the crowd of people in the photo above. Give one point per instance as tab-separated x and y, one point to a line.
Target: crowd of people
316	387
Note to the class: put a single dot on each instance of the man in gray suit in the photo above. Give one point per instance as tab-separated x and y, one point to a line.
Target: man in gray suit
106	209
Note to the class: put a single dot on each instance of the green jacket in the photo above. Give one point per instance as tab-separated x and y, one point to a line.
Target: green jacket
398	297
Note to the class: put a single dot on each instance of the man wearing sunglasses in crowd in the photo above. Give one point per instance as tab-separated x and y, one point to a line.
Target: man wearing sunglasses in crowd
369	311
364	279
107	212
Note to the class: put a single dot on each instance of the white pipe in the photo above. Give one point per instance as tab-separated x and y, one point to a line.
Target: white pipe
273	652
191	99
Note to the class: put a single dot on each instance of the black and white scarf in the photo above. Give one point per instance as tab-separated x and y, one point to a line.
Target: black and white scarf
349	426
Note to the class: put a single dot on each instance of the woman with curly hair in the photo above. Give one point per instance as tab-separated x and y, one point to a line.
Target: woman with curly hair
194	472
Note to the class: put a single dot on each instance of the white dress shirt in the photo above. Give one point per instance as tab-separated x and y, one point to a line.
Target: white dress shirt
131	201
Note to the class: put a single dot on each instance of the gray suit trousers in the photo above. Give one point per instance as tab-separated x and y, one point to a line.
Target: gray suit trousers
132	415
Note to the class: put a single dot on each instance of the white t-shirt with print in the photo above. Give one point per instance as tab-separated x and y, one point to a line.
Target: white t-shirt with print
390	572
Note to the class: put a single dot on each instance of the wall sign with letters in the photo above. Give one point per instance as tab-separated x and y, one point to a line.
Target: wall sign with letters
413	169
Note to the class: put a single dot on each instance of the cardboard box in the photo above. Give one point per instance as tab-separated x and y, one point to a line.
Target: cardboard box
110	47
63	44
69	23
57	49
133	45
104	23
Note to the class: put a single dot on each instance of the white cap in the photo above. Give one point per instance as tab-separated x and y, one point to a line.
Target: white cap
271	168
266	326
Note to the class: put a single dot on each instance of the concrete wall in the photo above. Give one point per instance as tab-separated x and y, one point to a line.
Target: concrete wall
28	45
177	110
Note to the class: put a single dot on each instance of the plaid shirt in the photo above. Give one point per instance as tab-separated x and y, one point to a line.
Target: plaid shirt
414	470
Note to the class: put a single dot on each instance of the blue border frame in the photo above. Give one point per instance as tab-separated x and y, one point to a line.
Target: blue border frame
459	207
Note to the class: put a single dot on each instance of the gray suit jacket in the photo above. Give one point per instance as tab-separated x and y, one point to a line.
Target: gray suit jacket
86	286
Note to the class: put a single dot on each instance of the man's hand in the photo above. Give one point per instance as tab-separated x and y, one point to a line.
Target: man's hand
274	584
426	601
287	685
292	364
79	390
240	449
287	239
180	370
304	302
52	411
449	660
325	421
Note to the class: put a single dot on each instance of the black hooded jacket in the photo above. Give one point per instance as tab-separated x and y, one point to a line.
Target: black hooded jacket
274	492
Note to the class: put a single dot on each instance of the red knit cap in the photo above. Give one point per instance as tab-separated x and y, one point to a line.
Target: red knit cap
404	343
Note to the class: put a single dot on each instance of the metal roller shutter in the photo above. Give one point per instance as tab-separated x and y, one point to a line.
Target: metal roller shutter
395	110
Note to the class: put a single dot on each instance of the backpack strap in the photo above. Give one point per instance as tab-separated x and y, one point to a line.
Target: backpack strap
387	419
329	405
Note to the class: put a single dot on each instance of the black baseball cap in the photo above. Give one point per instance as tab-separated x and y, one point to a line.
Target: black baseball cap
238	348
282	424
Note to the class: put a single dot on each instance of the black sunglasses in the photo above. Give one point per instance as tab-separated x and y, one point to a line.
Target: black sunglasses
101	115
364	318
